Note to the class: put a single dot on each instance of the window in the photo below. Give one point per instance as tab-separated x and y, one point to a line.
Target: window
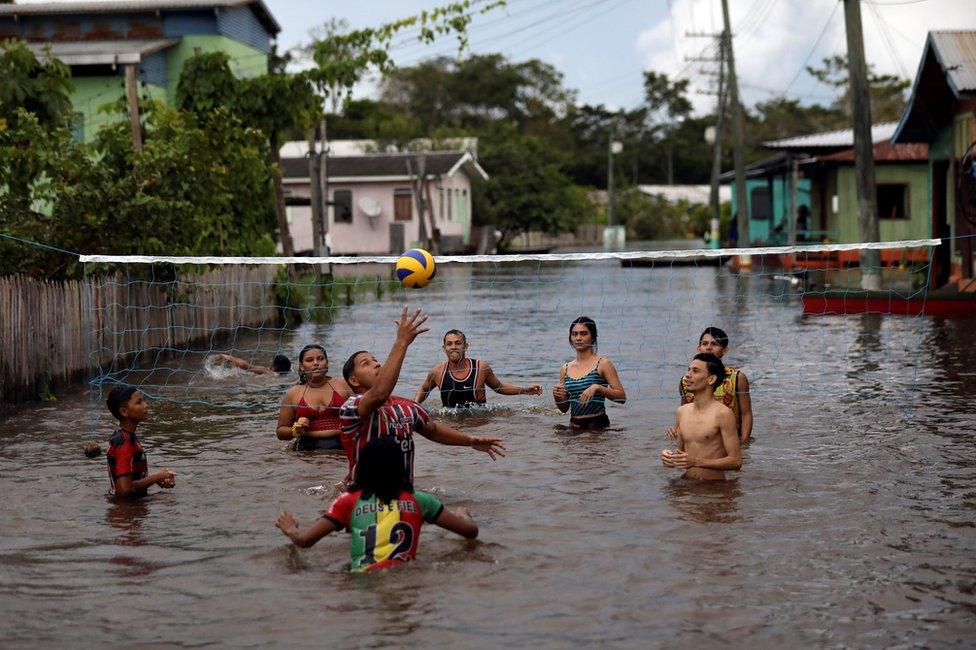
892	201
760	208
342	206
465	206
78	127
440	202
402	205
450	205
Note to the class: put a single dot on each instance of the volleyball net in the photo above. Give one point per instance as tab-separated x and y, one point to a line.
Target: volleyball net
796	317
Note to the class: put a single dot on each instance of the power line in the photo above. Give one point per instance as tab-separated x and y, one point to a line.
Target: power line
813	49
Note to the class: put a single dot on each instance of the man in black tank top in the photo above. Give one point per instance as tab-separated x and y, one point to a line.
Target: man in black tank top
462	381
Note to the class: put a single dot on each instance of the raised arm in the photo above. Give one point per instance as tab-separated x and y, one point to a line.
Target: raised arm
408	328
429	384
445	435
745	407
500	387
459	522
730	438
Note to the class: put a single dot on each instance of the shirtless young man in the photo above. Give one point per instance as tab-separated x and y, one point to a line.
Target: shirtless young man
461	381
708	443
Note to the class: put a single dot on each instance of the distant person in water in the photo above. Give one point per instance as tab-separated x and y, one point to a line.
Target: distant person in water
707	441
128	469
381	511
461	380
374	411
309	412
279	365
732	391
588	380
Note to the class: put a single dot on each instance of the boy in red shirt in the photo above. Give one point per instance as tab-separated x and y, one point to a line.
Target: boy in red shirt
128	470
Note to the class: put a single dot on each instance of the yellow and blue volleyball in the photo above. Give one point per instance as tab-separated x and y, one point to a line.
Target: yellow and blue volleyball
415	268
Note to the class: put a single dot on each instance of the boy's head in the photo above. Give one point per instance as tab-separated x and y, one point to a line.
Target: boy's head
281	363
455	345
360	371
381	469
125	402
713	341
705	370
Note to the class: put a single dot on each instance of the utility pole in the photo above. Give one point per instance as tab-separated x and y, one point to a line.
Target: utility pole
133	94
737	154
867	202
713	197
315	185
324	183
610	197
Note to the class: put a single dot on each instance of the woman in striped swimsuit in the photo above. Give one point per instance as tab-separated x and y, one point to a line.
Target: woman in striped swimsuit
587	381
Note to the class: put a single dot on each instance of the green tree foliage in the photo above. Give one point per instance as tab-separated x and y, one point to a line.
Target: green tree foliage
887	92
652	217
200	185
41	89
527	189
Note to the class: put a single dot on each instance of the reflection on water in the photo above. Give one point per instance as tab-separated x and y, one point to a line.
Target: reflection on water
849	525
705	501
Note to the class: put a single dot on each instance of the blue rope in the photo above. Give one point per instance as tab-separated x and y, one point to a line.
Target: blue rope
39	245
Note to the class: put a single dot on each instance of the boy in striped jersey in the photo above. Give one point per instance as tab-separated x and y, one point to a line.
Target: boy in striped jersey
374	411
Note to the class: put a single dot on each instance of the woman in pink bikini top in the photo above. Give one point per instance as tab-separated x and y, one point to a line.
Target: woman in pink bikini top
309	413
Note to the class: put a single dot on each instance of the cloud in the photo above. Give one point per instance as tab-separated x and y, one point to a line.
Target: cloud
774	39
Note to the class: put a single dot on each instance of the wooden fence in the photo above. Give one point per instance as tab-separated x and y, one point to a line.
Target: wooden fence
53	333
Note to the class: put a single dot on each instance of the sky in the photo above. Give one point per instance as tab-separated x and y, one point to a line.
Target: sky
603	46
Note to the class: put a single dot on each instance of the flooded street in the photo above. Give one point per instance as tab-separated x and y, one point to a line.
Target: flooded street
850	524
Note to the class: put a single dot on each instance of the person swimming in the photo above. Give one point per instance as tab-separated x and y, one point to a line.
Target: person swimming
587	381
309	412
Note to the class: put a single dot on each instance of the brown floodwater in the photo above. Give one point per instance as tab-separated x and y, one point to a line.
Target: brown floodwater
850	525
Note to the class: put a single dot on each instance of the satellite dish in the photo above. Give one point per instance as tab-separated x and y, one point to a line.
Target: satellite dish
370	207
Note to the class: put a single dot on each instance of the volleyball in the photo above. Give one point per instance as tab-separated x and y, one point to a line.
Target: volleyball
415	268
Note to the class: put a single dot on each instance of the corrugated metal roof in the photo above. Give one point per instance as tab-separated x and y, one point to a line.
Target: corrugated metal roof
885	152
124	6
880	132
957	54
101	52
695	194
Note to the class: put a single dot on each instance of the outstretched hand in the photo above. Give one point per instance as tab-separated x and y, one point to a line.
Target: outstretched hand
494	447
409	327
286	523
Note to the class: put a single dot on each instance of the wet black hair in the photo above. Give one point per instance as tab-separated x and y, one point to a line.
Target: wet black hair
119	397
714	366
719	335
350	364
381	470
590	325
464	339
302	375
281	363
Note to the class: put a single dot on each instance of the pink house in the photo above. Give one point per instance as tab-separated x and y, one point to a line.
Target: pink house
372	209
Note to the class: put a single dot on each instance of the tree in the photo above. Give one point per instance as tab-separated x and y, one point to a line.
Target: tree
527	189
667	102
887	92
41	89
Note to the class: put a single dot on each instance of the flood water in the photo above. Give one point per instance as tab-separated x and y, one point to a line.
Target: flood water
851	523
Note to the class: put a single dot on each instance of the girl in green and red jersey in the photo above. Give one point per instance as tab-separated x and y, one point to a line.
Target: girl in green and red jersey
382	512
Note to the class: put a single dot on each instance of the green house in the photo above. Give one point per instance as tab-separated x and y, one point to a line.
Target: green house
823	205
100	40
941	114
